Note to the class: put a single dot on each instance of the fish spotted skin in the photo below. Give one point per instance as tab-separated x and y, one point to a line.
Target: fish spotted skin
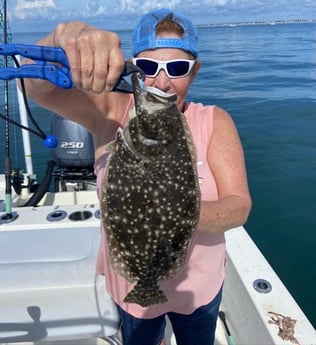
150	195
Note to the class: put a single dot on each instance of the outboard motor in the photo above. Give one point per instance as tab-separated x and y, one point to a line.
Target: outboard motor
74	155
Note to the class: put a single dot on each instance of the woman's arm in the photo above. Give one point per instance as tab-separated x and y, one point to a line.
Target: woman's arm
226	160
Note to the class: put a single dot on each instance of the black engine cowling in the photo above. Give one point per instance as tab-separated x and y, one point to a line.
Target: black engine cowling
75	144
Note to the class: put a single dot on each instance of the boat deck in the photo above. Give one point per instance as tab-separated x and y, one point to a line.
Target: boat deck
220	340
170	339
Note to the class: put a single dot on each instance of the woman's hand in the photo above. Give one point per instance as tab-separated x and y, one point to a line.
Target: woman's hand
94	55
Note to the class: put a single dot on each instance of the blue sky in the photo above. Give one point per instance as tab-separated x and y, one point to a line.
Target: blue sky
42	15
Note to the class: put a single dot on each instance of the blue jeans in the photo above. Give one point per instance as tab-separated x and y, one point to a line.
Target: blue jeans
197	328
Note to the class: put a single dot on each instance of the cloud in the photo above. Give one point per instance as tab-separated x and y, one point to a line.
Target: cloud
34	4
126	7
32	8
95	6
125	13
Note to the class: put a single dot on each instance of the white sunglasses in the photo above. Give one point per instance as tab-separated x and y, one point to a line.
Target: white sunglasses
173	68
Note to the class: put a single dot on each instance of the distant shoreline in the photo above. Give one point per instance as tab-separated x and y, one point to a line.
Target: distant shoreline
206	25
261	22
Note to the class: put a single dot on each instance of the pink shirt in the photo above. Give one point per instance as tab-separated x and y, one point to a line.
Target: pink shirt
203	274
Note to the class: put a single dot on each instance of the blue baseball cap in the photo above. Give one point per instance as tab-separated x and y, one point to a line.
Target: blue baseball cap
144	35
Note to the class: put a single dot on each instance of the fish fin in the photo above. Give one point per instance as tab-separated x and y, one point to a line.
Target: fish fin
145	296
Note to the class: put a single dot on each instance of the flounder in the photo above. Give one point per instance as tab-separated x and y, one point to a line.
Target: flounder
150	200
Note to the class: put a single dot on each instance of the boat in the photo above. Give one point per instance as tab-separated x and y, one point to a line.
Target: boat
50	292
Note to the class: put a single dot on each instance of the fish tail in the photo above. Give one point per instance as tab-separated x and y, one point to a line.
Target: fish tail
145	296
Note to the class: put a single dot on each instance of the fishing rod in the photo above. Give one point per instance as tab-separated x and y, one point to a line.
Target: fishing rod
9	215
230	339
48	140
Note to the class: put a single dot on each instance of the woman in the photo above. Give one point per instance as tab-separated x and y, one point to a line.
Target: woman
165	46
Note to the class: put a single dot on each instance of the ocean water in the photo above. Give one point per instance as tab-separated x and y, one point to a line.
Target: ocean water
265	77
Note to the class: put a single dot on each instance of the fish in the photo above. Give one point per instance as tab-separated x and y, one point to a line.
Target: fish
151	197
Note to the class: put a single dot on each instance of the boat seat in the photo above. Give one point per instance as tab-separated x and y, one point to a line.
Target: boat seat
48	286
